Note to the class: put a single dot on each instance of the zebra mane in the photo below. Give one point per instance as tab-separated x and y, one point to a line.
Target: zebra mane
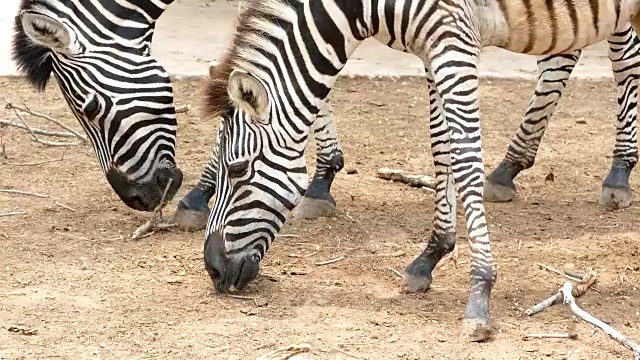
33	60
252	38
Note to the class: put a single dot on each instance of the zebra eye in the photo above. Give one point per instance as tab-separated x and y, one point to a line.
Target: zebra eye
91	108
238	168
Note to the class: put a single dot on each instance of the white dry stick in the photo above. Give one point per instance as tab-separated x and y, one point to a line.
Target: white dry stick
38	131
13	213
34	138
587	281
182	109
331	261
286	352
567	288
156	218
411	180
15	107
9	191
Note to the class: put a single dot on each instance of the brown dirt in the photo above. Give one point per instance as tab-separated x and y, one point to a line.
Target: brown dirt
92	293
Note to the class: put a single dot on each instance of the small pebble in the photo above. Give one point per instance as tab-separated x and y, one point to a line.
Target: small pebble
351	171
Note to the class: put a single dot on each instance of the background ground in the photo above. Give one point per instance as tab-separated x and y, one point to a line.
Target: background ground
91	293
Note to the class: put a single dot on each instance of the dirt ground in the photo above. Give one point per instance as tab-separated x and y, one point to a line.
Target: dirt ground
69	271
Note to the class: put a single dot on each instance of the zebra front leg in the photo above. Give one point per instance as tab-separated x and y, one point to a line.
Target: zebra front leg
193	209
455	70
418	275
317	200
553	74
624	54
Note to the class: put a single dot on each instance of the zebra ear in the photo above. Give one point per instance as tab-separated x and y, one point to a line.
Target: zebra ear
49	32
248	93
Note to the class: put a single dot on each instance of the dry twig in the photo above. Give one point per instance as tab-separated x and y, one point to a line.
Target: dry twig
182	109
331	261
411	180
156	218
567	292
37	131
585	283
11	106
12	213
395	272
19	192
453	255
571	336
286	352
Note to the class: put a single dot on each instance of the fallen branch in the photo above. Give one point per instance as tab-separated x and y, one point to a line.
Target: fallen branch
567	292
585	283
12	213
37	131
34	138
66	207
571	336
286	352
331	261
156	218
411	180
11	106
9	191
395	272
572	277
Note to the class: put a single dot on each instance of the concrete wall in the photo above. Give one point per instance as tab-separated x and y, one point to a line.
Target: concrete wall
7	13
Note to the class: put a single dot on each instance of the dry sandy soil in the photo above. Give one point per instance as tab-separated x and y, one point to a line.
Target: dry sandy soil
90	292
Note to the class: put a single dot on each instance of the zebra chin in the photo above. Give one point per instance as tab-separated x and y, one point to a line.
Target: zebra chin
228	274
146	196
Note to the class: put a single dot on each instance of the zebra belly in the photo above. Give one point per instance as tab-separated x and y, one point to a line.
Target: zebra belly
540	27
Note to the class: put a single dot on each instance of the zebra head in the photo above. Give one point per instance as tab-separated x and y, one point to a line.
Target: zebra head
99	53
261	177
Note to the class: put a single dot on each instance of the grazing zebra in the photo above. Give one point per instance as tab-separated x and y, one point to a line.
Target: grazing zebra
553	73
99	53
280	68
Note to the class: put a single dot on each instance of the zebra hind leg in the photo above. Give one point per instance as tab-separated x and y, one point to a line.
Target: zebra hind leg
553	73
193	209
624	55
318	201
418	275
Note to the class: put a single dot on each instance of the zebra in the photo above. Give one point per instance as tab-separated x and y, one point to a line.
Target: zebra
99	53
553	73
279	69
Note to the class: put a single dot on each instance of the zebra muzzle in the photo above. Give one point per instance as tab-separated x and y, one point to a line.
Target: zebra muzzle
228	274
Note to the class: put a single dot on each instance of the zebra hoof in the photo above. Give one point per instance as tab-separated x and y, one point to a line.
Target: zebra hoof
494	192
312	208
412	284
475	330
615	198
190	220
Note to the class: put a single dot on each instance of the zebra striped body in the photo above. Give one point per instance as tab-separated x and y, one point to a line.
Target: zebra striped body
99	54
553	73
281	65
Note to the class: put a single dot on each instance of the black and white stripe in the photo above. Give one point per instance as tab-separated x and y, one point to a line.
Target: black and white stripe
281	66
99	53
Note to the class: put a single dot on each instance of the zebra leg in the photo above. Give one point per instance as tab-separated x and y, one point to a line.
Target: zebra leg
193	209
624	54
443	236
317	200
553	74
455	72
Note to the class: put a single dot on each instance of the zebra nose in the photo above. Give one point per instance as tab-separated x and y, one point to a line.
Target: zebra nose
228	274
